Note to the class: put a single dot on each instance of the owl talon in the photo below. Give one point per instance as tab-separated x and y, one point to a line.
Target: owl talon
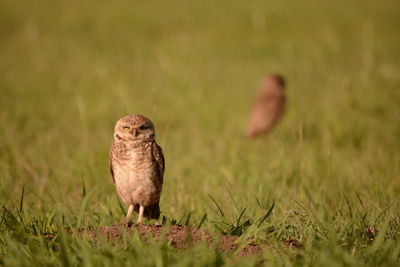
125	222
140	218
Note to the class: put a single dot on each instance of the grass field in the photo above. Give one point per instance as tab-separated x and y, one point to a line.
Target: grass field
329	171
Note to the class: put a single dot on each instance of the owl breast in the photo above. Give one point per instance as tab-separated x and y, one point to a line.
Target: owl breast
136	177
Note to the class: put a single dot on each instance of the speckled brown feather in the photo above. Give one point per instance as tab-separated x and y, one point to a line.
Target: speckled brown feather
110	165
159	158
153	211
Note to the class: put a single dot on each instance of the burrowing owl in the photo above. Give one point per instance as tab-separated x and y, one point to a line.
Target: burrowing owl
268	106
137	166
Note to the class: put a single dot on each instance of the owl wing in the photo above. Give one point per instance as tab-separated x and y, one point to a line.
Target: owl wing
160	161
110	158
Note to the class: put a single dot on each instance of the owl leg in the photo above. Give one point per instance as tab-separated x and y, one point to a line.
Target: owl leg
141	211
128	215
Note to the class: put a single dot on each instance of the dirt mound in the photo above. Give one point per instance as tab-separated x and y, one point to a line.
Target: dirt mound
180	237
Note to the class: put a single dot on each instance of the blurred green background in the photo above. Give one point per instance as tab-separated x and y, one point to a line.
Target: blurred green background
70	69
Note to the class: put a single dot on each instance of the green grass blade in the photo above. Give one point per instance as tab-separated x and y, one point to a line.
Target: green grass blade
240	216
84	204
202	220
21	201
216	204
263	218
187	219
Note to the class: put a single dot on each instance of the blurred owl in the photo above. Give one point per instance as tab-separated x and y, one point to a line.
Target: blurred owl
137	166
268	106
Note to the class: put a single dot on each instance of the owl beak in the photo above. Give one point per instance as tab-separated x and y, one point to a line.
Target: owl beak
134	132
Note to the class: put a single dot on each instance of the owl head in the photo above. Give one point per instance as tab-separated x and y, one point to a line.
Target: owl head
274	80
136	128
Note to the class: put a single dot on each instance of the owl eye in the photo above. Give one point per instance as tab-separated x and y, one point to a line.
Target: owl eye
144	127
125	127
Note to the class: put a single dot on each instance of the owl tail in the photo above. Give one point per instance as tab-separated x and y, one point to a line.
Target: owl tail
150	212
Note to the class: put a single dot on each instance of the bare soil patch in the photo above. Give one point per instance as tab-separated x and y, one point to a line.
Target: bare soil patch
180	237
